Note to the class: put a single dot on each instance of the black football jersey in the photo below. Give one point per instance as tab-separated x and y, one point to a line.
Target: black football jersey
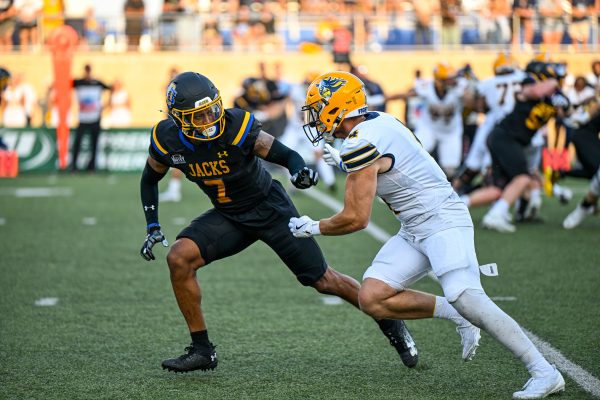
226	168
527	118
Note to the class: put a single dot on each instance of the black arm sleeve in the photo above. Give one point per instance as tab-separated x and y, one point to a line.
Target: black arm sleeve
286	157
149	194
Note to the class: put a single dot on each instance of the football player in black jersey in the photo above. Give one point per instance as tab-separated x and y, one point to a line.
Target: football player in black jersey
219	150
539	100
586	140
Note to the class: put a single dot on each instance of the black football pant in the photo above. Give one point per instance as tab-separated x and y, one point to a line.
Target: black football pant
587	145
94	129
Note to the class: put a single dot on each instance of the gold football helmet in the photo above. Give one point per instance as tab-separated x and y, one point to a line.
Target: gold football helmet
331	98
444	75
505	63
443	71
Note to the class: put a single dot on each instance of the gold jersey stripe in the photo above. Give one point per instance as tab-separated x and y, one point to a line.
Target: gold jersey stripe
155	140
242	129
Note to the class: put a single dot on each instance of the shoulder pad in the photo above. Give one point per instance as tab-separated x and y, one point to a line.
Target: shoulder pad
357	152
161	136
239	124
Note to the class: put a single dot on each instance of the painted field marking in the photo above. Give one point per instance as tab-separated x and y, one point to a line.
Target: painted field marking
34	192
331	300
504	298
90	221
46	301
179	221
583	378
2	221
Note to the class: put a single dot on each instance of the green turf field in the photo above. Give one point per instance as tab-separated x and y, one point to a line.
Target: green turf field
116	317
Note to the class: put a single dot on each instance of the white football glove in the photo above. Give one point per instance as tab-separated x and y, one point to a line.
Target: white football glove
304	227
559	100
332	157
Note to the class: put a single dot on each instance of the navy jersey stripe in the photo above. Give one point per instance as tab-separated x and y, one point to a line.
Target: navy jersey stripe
366	160
186	142
246	131
358	152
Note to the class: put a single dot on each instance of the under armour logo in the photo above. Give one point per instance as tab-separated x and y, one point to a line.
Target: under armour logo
152	207
222	154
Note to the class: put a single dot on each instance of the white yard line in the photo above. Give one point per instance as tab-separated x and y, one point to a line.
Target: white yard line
33	192
583	378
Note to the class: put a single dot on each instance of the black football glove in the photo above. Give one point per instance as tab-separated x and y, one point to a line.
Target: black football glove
154	236
305	178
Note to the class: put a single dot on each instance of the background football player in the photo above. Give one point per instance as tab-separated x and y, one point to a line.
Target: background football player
538	101
441	127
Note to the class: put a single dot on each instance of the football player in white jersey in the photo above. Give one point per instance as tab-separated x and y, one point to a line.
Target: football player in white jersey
441	124
382	157
497	96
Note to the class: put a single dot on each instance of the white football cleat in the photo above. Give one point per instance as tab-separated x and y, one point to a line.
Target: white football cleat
563	194
498	222
469	338
169	196
533	208
577	216
543	386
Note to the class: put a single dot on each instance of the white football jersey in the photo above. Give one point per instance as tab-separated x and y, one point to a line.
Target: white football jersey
443	115
499	93
415	188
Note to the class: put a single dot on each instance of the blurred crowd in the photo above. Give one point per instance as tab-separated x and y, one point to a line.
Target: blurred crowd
282	24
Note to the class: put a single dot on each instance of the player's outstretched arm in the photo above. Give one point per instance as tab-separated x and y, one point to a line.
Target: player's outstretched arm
152	174
360	192
272	150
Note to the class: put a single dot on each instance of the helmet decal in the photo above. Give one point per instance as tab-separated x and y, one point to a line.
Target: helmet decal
330	85
171	94
203	102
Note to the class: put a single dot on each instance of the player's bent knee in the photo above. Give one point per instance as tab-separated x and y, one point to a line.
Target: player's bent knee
327	283
455	282
184	256
473	304
371	296
369	303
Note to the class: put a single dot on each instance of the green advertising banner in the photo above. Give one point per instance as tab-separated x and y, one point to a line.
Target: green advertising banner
119	150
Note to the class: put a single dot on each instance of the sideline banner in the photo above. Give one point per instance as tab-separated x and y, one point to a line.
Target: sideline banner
119	150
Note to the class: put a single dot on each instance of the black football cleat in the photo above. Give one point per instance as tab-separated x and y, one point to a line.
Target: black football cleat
403	342
202	358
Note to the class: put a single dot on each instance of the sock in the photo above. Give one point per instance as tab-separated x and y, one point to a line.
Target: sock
174	186
466	199
200	338
443	309
535	363
385	324
484	313
500	207
535	195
